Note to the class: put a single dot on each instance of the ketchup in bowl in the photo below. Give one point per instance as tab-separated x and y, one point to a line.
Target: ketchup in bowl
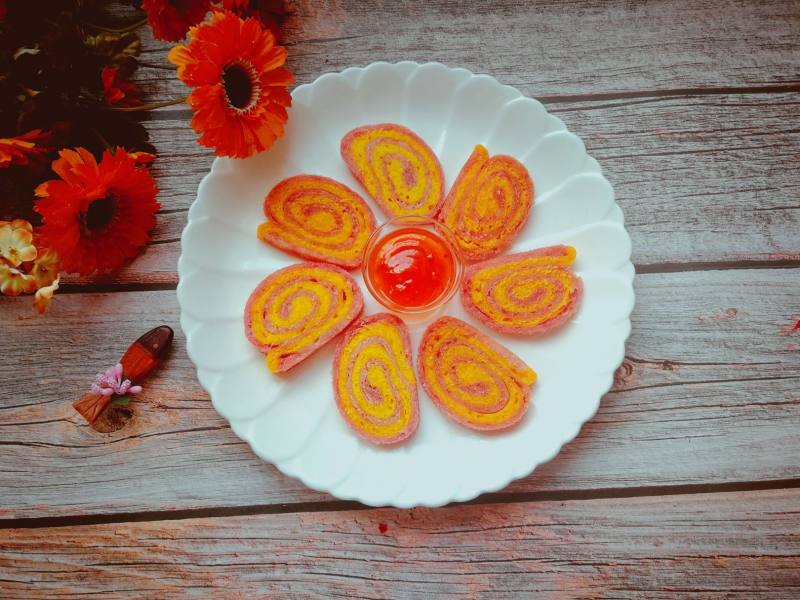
410	267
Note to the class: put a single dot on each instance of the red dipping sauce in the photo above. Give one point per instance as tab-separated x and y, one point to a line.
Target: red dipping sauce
411	268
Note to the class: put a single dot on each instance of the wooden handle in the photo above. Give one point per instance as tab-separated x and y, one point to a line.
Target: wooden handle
145	353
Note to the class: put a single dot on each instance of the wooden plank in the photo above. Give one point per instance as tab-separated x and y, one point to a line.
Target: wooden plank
692	175
708	394
545	49
732	545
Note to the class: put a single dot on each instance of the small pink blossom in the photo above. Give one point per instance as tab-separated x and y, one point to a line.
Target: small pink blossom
111	382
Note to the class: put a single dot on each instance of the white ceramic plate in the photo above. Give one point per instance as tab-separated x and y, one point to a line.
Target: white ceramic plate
292	421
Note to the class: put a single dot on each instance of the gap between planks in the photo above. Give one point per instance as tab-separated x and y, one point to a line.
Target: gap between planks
168	113
651	269
349	505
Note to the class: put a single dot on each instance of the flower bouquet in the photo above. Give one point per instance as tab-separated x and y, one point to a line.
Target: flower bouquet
76	193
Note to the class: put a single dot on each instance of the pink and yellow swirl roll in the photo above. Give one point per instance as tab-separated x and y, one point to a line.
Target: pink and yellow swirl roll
396	167
317	218
474	380
529	293
488	204
374	380
298	309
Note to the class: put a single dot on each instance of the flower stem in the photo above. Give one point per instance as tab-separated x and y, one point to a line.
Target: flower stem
101	138
167	67
126	29
150	106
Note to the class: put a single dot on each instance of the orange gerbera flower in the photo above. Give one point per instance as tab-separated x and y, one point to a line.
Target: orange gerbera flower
97	215
171	19
21	149
240	95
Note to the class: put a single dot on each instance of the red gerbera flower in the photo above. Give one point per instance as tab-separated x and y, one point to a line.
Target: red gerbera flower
21	149
97	215
240	95
269	12
171	19
118	90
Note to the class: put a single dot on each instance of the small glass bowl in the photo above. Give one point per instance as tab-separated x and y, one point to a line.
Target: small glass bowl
442	233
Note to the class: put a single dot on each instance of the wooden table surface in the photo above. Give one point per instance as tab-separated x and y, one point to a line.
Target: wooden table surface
686	482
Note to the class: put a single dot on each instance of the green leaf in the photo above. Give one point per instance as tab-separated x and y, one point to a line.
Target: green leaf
116	48
121	401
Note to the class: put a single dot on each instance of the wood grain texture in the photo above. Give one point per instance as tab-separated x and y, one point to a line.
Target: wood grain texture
708	376
732	545
691	174
710	167
691	110
550	49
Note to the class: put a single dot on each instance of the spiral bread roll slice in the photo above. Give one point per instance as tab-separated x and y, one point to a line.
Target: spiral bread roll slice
374	380
317	218
396	167
474	380
488	204
529	293
298	309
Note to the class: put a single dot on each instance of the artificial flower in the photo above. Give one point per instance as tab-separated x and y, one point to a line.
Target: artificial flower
269	12
44	295
142	158
240	95
117	90
171	19
97	215
24	268
111	382
21	149
45	273
45	268
16	242
117	49
14	281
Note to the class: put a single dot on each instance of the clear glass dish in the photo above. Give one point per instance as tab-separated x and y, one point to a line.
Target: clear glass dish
439	233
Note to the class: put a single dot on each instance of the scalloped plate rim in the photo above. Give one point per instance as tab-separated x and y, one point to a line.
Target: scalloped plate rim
567	435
